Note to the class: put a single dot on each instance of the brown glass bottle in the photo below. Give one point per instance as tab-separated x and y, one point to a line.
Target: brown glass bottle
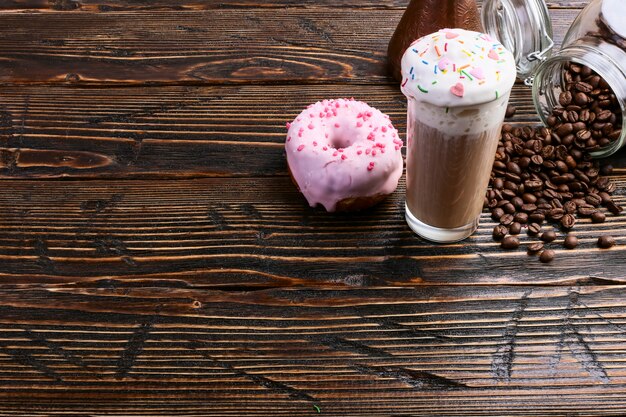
423	17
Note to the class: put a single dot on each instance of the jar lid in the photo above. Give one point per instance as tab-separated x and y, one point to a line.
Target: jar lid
524	28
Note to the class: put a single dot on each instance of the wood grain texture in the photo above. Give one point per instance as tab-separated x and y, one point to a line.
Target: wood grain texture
354	352
172	132
203	46
258	233
103	6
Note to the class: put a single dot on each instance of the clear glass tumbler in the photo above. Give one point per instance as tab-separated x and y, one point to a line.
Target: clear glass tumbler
453	127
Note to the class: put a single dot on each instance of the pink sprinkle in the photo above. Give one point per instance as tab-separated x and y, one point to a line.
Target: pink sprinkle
368	151
340	150
288	138
451	35
337	125
288	125
370	166
300	132
384	128
335	153
311	115
344	157
358	116
493	55
397	148
321	115
314	143
382	150
337	105
311	126
373	152
370	136
458	90
444	63
300	148
359	152
324	148
445	47
478	73
359	124
405	81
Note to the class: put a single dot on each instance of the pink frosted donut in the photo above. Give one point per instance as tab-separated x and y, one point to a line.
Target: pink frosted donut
343	154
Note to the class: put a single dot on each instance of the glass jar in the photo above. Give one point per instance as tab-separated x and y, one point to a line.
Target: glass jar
596	39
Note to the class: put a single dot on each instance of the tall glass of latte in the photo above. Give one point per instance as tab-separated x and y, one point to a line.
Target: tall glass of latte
457	85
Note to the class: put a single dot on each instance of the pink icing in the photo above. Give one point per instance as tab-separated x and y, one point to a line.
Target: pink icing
351	160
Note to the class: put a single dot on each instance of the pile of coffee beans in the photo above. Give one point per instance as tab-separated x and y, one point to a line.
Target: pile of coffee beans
546	174
589	116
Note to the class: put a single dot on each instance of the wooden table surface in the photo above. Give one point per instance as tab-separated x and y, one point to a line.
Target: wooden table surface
155	258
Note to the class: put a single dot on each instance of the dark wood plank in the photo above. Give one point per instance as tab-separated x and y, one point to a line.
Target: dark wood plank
354	352
203	46
171	132
124	5
258	233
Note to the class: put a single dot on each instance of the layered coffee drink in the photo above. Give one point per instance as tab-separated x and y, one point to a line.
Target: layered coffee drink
457	83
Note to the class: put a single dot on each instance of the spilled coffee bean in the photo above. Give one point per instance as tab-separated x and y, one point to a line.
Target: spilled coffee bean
546	174
547	256
606	242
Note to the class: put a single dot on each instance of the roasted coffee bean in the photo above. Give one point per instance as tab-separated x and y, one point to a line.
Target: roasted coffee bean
565	129
517	202
606	242
565	98
498	183
587	211
537	218
533	229
510	185
570	207
515	228
610	188
507	219
529	198
578	126
606	197
497	213
536	159
510	242
547	256
583	87
520	218
604	115
581	99
509	208
556	214
614	208
548	236
506	193
529	208
534	248
570	242
606	169
533	185
511	176
499	232
513	168
593	199
598	217
568	221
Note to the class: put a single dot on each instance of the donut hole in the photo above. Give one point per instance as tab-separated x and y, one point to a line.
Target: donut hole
341	141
